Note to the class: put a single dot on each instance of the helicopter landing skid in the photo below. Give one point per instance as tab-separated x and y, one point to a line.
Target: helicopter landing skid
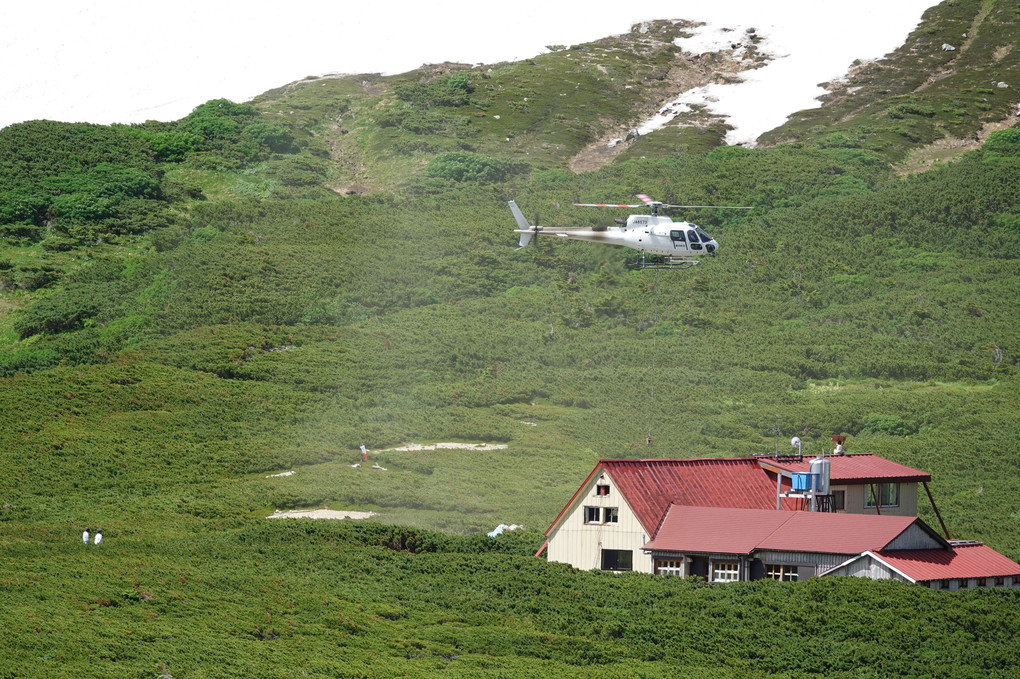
661	262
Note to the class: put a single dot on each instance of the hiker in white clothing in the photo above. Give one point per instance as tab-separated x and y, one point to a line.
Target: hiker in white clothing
99	537
85	536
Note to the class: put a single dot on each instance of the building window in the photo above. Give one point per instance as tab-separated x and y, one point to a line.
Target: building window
669	566
839	500
725	571
602	515
982	582
944	584
888	493
602	490
999	582
782	572
617	560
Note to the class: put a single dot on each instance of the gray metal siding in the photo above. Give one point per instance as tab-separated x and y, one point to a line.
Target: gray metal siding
808	563
914	537
867	567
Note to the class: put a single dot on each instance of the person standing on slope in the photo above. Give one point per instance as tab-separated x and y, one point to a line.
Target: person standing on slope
85	536
99	537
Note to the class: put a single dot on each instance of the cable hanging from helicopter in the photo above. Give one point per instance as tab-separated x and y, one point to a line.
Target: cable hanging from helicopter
663	243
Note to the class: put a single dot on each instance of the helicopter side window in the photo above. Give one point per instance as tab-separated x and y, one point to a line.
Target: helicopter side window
677	236
693	236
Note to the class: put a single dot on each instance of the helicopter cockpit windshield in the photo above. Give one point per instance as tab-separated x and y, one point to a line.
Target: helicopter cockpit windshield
698	234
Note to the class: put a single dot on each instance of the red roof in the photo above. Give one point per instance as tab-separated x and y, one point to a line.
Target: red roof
715	529
838	533
651	486
740	531
967	560
864	468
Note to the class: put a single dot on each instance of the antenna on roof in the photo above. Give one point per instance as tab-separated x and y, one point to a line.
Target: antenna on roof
777	435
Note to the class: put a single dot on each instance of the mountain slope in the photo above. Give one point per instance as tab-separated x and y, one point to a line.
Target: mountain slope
215	307
955	79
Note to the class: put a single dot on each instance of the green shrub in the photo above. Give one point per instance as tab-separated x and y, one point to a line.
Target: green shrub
1004	142
452	90
464	166
887	424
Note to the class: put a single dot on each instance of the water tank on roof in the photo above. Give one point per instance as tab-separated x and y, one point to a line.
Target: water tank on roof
820	470
801	481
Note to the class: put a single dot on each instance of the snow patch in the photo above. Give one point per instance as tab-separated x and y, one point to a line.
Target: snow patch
501	528
805	46
448	446
319	514
711	38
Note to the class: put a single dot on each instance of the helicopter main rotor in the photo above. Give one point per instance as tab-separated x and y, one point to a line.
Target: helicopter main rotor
655	205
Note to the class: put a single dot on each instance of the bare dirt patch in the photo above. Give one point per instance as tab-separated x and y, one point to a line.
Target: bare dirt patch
948	149
348	162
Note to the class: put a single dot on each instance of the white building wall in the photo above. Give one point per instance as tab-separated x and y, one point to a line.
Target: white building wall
580	544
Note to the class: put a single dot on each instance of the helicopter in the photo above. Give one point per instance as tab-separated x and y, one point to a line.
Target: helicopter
663	243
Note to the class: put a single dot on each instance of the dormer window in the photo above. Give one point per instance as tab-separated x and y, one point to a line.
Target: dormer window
602	490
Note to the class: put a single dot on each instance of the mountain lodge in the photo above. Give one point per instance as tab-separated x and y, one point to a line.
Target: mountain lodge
781	517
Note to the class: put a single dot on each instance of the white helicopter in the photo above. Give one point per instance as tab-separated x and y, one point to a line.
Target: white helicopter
663	243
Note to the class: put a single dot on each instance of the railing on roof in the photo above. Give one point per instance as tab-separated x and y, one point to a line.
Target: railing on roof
781	457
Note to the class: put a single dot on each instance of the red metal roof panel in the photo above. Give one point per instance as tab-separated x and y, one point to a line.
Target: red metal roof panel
836	533
740	531
715	529
971	560
650	486
860	468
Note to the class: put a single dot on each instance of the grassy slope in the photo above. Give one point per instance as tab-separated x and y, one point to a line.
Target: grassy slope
538	111
460	350
259	336
331	600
